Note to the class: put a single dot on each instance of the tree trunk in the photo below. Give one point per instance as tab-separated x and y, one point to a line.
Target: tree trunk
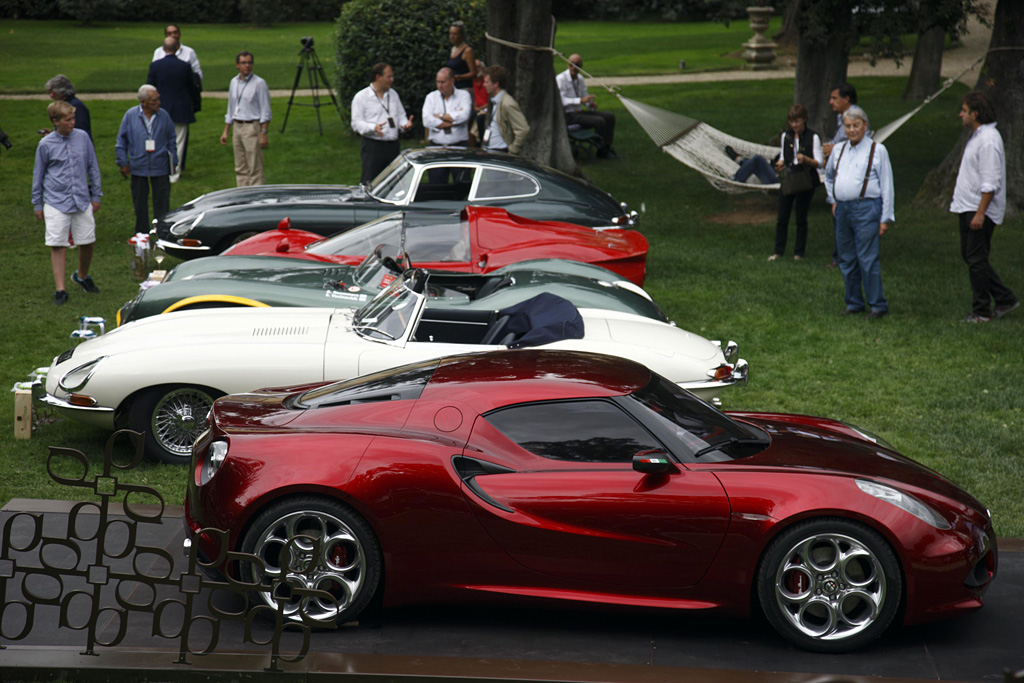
532	77
926	71
789	32
823	53
1002	78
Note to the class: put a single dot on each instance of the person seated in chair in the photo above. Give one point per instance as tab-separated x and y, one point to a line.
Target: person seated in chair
581	107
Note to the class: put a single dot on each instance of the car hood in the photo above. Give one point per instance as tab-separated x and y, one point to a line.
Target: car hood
264	195
833	450
260	269
201	328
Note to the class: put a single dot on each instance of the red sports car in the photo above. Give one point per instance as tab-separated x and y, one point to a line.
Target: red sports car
577	477
480	240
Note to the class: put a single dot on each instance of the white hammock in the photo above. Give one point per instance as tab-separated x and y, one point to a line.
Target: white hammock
702	147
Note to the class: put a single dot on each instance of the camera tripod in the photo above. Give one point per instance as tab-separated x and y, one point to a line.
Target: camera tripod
310	63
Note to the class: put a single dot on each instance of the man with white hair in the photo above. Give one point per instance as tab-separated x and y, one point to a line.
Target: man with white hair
146	152
859	183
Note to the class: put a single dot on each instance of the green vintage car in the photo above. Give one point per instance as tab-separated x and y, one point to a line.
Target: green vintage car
225	281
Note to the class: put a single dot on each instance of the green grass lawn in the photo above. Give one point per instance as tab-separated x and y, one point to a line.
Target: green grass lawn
945	393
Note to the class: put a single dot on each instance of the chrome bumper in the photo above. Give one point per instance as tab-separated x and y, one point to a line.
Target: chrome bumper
175	249
97	416
708	389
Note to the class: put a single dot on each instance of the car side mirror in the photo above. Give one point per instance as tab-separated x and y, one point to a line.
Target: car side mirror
285	224
282	247
653	462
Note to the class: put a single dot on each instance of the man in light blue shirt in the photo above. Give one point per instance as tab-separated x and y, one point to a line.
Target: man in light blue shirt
147	152
859	183
66	191
249	114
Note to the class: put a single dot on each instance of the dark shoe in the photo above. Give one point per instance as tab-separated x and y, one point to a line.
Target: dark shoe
875	315
975	318
1000	311
608	153
87	284
851	311
731	153
60	298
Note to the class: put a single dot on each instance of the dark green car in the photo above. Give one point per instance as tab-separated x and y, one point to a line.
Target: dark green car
445	179
224	281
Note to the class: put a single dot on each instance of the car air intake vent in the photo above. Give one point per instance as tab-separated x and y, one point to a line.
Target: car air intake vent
279	331
321	197
65	356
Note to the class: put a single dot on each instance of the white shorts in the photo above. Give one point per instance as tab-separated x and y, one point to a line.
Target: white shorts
81	226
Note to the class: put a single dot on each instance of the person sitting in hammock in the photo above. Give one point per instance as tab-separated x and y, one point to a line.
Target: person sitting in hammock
756	165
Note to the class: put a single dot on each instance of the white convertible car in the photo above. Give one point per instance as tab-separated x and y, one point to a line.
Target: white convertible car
160	375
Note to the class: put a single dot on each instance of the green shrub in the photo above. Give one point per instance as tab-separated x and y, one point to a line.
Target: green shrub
411	35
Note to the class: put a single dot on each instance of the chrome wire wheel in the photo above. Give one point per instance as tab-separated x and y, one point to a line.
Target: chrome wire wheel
830	586
178	417
306	551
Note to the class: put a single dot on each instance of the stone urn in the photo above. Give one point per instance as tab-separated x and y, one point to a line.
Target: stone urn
760	51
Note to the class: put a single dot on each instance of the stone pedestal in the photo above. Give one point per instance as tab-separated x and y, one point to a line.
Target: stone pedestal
760	51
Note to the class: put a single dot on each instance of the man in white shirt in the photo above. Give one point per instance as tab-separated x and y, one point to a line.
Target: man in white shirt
184	52
581	107
859	183
249	115
446	112
378	116
979	199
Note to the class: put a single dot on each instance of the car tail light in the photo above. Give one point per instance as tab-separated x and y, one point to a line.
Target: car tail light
722	372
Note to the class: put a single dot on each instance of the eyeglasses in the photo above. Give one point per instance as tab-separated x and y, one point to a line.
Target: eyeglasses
245	63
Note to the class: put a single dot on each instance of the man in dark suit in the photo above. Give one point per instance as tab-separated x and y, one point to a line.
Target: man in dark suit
179	96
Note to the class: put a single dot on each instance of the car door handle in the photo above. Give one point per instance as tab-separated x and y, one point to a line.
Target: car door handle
471	468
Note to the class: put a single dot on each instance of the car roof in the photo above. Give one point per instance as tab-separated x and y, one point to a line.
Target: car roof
499	378
472	155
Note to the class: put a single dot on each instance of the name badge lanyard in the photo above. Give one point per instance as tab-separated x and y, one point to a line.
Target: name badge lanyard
386	108
241	91
444	109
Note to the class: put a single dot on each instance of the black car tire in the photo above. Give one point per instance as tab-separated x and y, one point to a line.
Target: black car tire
830	585
171	416
349	566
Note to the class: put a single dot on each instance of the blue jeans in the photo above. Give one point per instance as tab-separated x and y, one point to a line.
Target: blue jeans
857	241
759	166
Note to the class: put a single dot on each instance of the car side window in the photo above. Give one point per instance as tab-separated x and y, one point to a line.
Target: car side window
445	183
591	430
497	183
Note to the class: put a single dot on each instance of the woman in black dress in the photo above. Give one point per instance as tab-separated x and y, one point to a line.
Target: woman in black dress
462	60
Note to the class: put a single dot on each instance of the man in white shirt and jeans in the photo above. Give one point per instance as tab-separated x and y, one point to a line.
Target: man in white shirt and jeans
581	107
979	199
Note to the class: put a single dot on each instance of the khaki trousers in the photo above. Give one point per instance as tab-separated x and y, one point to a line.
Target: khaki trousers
248	153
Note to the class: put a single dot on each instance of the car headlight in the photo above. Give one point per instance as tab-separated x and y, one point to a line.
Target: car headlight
869	436
185	227
903	501
215	456
73	380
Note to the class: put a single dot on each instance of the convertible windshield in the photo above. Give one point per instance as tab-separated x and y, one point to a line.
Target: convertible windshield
429	238
394	182
707	433
389	315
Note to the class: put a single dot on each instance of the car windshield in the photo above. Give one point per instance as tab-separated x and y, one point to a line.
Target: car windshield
427	239
706	433
388	315
394	182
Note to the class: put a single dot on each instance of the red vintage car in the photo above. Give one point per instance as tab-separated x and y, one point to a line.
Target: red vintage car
577	477
480	240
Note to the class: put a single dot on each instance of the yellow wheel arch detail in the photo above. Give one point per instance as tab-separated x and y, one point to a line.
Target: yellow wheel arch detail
215	298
